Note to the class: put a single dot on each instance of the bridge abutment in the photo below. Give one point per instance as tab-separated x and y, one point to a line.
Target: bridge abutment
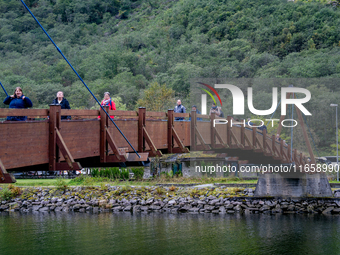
293	185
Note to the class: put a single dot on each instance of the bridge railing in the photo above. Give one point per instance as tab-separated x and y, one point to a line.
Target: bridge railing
30	113
147	130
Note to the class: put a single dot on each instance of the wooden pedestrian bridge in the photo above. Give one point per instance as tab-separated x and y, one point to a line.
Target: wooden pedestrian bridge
45	142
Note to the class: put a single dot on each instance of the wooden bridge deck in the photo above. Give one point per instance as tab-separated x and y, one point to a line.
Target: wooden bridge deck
49	143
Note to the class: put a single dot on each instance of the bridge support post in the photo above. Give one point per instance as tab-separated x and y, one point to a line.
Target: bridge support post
104	122
143	135
5	177
264	140
254	137
106	139
56	143
243	139
107	142
141	125
293	185
229	131
170	125
172	135
193	120
212	131
54	124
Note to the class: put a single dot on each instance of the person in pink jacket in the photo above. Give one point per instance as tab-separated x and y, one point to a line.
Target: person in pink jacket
108	102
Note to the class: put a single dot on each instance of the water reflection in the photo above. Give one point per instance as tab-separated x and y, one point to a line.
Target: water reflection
157	233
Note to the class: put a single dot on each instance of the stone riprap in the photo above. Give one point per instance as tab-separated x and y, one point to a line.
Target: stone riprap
156	199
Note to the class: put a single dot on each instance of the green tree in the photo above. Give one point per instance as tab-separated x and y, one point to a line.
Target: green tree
157	98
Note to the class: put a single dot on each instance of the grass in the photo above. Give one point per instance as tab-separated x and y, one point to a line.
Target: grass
37	182
98	181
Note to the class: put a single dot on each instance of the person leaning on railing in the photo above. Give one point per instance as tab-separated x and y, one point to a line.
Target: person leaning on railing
18	101
60	99
107	101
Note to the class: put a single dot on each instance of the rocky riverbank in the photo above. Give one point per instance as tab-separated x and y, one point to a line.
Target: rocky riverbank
158	199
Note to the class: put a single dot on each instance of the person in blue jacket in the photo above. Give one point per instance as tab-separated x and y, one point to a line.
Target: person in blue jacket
179	109
19	101
194	108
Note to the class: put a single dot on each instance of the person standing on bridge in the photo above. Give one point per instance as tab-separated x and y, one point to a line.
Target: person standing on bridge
63	102
179	109
107	101
217	110
194	108
19	101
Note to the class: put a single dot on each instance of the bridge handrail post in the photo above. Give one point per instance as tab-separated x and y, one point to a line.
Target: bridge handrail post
243	139
54	123
273	144
141	124
289	153
281	150
229	131
170	135
193	120
104	121
212	131
254	137
264	136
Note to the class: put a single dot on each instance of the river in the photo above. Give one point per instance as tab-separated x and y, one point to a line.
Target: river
163	233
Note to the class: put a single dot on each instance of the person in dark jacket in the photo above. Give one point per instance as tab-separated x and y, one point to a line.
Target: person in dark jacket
194	108
63	102
179	109
19	101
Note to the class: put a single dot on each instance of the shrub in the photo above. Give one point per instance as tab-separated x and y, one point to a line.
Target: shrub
78	180
138	172
114	173
172	188
124	189
124	174
160	191
95	172
88	181
179	174
5	194
103	187
9	192
61	184
194	192
16	191
111	173
235	178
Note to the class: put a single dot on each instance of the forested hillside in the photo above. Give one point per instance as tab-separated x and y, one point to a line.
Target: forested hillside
123	46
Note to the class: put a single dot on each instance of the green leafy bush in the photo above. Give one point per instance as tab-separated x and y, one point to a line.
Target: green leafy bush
95	172
10	192
138	172
124	174
61	184
111	173
5	194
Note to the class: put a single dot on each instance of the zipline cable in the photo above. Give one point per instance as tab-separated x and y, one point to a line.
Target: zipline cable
4	89
79	77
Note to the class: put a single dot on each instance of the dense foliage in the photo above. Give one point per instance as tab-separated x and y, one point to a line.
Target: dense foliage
124	46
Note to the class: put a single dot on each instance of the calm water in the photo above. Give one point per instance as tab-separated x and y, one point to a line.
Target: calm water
124	233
